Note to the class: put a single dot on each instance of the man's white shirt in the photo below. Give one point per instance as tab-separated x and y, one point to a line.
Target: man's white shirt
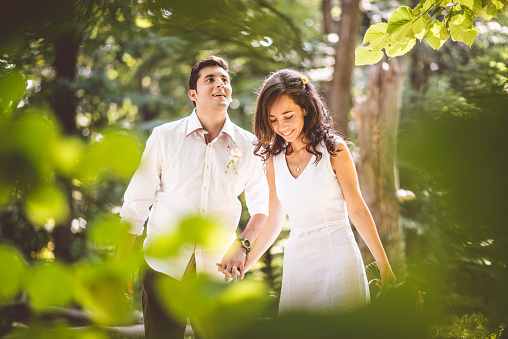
182	174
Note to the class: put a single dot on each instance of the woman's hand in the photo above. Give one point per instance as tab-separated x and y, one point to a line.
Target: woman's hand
387	277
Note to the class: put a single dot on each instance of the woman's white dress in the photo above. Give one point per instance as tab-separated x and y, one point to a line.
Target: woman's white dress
323	269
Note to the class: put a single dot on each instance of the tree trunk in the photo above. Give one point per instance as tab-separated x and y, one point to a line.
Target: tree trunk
66	47
326	8
339	99
377	115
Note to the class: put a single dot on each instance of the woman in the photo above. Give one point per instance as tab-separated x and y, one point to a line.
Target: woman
311	176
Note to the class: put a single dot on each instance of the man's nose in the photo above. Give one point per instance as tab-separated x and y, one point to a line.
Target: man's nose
220	83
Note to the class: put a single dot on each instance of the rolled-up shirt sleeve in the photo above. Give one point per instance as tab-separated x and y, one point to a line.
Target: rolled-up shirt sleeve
141	192
256	188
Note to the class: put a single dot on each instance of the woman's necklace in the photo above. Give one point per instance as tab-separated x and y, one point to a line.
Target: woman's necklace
297	162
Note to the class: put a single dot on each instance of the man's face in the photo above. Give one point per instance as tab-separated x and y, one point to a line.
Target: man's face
213	89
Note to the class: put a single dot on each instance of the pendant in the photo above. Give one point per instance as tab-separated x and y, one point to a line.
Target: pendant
297	168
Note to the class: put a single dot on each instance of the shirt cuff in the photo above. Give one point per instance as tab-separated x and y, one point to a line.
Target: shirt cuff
135	227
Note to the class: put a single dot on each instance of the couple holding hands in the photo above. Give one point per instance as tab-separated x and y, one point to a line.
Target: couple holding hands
294	164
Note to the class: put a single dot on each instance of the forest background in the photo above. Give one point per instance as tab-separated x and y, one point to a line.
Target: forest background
82	83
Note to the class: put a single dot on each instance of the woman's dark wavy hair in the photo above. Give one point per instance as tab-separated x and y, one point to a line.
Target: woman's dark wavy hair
317	122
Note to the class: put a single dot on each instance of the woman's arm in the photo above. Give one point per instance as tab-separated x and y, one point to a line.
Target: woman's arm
344	168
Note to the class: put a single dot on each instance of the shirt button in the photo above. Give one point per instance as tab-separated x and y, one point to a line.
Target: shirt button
205	188
207	166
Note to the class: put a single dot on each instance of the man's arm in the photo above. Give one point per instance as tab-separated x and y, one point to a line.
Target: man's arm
234	259
256	198
139	196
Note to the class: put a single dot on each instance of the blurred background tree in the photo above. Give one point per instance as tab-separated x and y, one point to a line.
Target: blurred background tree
83	82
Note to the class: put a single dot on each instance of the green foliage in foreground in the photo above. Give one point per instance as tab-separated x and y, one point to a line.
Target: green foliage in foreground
472	326
432	20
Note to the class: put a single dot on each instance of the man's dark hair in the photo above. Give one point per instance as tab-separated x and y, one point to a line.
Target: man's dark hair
210	61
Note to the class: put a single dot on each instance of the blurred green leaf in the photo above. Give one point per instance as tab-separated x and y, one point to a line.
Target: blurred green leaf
46	202
106	229
164	246
203	231
192	230
34	135
117	154
67	154
12	271
50	284
100	289
12	88
215	307
59	332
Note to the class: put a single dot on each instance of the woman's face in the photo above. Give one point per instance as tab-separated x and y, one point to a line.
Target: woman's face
287	119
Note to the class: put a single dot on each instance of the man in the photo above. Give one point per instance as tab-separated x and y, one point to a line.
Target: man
195	166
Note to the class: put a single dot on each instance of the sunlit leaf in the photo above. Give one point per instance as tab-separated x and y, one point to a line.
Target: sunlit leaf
46	202
477	7
143	23
12	270
493	8
461	17
400	47
437	35
50	285
466	35
365	57
426	5
420	26
467	3
400	22
376	37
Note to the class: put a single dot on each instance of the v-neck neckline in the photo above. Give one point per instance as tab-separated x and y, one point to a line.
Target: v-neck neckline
302	171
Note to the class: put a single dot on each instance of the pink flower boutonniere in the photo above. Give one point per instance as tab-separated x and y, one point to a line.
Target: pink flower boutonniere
234	154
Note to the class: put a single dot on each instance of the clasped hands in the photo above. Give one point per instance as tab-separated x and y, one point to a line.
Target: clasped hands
234	263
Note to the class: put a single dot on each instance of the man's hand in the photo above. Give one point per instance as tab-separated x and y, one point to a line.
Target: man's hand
233	263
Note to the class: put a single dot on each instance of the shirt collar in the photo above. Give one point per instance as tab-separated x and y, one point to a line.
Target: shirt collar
194	125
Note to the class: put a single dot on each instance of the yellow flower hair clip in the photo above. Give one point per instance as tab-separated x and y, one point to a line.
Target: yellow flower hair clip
305	80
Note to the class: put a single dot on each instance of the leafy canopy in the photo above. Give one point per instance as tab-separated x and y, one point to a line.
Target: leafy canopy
431	20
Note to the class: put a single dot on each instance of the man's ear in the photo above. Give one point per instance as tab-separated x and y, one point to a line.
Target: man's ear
192	94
